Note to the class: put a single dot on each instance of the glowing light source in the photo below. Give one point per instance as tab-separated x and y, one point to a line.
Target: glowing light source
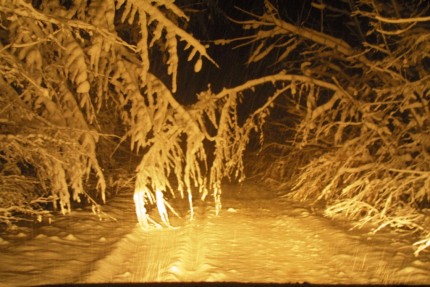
139	203
162	207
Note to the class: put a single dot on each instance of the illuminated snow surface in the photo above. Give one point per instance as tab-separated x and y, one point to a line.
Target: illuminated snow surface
255	240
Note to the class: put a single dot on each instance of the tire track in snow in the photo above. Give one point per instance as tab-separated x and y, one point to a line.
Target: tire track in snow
274	241
261	240
141	256
257	252
192	263
159	255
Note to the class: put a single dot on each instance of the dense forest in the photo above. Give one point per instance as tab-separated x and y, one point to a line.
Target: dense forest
333	97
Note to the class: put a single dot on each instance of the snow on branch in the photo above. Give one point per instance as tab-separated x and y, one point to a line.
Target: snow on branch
392	20
150	14
270	25
23	9
280	77
184	36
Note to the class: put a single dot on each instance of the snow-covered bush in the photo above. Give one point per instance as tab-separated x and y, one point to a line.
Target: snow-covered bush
363	97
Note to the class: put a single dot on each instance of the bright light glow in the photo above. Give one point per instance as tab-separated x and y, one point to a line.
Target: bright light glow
162	207
139	202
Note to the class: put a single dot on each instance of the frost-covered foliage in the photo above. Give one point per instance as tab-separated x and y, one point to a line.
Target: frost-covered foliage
65	65
46	137
363	97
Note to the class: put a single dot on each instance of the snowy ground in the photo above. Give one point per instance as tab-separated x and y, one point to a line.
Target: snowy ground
256	240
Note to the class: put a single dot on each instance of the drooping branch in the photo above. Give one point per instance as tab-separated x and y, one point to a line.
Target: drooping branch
24	9
78	68
280	77
392	20
318	37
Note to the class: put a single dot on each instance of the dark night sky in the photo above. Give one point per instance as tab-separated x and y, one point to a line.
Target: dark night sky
209	21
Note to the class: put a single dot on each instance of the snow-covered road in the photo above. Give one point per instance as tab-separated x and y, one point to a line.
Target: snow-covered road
257	240
260	240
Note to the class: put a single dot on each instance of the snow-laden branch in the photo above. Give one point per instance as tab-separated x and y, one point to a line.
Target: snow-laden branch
197	46
318	37
392	20
180	110
280	77
24	9
313	35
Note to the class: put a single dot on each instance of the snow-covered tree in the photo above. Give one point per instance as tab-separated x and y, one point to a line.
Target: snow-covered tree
75	73
362	97
70	72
